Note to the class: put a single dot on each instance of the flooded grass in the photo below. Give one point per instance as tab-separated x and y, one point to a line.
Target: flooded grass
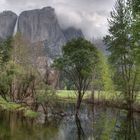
12	106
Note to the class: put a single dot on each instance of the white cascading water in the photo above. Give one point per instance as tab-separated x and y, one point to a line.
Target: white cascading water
15	29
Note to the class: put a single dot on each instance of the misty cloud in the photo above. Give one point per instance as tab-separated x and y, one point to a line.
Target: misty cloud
88	15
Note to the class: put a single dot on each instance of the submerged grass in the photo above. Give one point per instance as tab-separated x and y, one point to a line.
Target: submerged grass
8	105
12	106
31	114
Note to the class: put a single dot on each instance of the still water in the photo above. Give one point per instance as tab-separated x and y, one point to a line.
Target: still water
96	123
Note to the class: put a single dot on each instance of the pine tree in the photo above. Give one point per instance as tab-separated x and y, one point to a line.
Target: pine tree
122	50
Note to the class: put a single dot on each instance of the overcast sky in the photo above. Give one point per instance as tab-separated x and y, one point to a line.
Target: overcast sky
89	15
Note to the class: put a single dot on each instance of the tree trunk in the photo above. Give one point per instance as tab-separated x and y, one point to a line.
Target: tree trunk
92	96
79	100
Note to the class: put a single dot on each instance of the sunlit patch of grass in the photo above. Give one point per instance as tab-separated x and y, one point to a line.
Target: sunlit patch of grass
31	114
8	105
71	95
66	93
18	107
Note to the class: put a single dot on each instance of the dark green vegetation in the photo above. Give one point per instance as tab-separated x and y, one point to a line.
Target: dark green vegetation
78	61
124	45
21	85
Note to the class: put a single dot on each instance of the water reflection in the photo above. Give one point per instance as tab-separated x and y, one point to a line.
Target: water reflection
126	127
80	133
96	123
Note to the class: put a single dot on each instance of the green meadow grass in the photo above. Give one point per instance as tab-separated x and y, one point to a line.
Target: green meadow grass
63	95
71	94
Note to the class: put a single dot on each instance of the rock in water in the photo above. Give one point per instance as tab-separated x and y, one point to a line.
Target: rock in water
7	24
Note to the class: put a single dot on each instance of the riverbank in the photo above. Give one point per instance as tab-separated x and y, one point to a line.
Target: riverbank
101	99
115	104
16	107
69	96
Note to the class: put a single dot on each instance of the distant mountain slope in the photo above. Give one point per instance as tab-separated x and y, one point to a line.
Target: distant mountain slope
7	24
71	33
39	25
42	25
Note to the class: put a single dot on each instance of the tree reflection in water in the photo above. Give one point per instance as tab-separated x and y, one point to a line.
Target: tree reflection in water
94	123
126	127
80	133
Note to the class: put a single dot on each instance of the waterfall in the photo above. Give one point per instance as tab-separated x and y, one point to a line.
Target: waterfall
15	29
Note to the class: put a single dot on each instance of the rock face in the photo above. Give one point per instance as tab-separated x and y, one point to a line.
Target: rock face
100	45
42	25
71	33
41	30
39	25
7	24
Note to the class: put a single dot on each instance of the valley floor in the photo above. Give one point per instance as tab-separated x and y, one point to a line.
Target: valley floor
100	98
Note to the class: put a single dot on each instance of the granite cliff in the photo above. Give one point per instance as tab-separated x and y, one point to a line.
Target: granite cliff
39	25
7	24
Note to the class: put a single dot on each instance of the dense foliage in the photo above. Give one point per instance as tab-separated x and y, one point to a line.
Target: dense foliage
123	44
78	61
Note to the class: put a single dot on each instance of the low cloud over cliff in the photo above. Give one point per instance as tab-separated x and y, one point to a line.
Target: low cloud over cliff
89	15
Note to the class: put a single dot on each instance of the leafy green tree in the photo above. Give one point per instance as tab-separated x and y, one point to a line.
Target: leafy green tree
102	80
133	19
78	61
133	6
16	72
5	50
122	51
135	28
5	77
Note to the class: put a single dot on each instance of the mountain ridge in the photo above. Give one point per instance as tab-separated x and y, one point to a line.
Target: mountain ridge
38	25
